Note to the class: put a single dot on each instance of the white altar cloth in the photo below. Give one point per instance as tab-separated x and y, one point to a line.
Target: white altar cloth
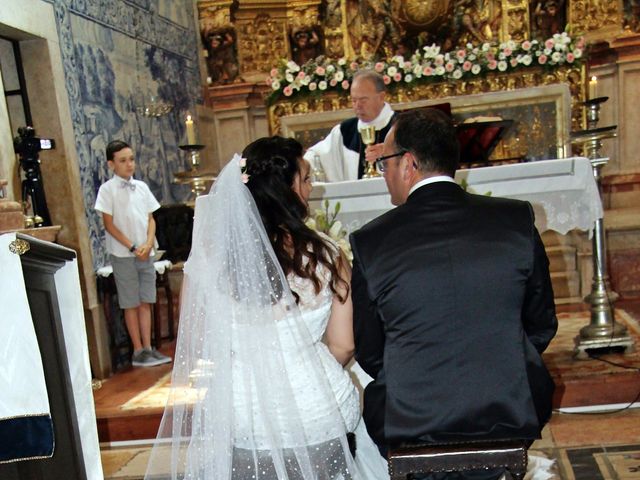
563	192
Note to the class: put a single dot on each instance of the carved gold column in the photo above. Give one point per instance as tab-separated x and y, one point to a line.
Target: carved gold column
516	20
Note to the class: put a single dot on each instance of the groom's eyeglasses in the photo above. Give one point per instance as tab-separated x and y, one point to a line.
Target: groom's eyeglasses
381	162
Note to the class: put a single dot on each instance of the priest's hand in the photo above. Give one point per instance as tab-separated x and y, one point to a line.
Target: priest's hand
372	152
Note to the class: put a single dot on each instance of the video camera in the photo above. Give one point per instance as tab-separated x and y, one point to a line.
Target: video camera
27	146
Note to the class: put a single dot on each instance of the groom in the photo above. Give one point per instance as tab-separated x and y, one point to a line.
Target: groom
453	304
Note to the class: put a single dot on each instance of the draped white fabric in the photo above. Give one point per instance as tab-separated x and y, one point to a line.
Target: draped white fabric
22	383
234	410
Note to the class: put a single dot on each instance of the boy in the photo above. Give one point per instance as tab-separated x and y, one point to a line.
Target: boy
126	205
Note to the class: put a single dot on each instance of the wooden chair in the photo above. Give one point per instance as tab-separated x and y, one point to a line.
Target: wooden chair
458	457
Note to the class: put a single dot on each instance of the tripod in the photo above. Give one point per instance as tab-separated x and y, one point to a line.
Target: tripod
33	188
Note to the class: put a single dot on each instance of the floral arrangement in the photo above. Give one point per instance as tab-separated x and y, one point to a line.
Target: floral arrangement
326	222
426	64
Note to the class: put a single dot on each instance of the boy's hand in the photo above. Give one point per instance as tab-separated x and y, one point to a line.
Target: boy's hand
143	251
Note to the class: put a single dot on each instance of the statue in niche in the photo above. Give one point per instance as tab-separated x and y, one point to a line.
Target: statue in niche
374	30
632	15
548	18
305	44
222	55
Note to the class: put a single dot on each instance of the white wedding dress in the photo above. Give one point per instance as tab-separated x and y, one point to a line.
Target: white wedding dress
252	431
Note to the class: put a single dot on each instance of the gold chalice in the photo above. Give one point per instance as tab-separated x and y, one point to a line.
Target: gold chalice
368	135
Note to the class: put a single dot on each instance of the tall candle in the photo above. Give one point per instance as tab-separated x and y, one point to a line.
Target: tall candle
593	86
191	131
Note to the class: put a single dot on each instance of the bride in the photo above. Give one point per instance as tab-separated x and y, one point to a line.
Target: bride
256	393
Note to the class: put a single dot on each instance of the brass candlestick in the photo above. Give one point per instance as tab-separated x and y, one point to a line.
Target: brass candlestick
603	331
198	180
368	135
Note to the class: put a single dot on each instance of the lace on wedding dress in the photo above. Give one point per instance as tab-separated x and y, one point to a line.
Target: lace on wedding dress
233	411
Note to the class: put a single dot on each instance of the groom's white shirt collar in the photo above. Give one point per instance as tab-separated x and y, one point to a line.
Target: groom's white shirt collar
426	181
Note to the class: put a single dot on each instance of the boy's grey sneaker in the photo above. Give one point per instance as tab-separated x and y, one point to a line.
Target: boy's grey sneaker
160	357
144	358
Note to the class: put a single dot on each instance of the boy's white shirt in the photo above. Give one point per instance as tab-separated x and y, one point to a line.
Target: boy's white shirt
130	209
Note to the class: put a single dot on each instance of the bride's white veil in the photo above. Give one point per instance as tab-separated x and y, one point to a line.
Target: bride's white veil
232	411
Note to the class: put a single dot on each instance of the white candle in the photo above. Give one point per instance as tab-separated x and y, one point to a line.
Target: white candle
593	86
191	131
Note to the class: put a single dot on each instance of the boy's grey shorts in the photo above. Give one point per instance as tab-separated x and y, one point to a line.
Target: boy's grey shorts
135	281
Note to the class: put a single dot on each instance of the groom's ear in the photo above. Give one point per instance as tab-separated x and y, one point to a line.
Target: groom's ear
408	166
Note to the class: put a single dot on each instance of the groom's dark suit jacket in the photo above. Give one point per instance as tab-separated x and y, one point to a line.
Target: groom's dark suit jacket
453	306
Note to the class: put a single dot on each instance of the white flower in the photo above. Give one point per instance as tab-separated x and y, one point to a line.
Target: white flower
311	223
331	68
335	230
322	85
577	53
408	78
275	85
526	60
457	73
475	69
342	62
288	77
432	51
486	46
293	66
556	57
502	65
391	71
439	70
339	76
417	71
313	86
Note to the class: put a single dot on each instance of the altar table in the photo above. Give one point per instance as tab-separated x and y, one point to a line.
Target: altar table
563	192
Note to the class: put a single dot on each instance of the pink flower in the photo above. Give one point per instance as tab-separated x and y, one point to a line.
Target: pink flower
397	77
449	67
287	91
333	82
268	81
461	54
439	60
542	59
386	79
274	72
354	66
570	57
300	75
466	66
320	71
492	64
243	162
345	84
549	43
507	51
379	67
427	71
407	65
513	62
526	45
244	177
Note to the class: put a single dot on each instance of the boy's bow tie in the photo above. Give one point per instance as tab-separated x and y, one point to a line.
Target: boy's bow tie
127	184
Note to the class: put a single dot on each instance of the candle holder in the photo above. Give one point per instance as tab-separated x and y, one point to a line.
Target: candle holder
198	180
603	331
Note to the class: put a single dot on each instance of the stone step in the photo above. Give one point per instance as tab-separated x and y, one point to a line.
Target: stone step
562	258
565	285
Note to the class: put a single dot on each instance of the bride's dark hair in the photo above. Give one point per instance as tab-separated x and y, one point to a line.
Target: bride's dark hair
272	164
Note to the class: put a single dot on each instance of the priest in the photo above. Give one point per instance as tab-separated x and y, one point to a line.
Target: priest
341	154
